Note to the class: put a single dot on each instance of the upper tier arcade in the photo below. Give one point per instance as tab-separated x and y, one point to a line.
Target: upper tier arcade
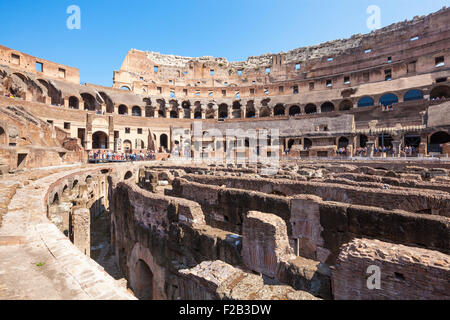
404	49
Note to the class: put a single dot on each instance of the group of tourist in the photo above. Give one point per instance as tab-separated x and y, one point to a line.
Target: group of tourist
108	155
437	98
342	151
408	150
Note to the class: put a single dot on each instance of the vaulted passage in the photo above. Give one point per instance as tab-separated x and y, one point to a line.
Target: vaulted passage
144	284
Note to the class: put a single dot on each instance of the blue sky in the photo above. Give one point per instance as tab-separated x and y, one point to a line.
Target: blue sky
231	29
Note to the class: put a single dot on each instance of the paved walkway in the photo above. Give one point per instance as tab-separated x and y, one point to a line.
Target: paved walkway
36	260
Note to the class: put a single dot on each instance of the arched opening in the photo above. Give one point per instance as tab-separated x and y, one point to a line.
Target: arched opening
388	99
345	105
294	110
236	110
198	113
413	95
52	92
149	111
366	102
128	175
327	107
55	199
223	111
310	108
163	140
125	88
264	112
384	140
89	101
343	142
73	103
99	140
279	110
173	114
437	140
186	105
363	141
74	184
250	112
440	92
144	281
123	109
107	100
291	143
307	143
136	111
127	146
412	140
3	137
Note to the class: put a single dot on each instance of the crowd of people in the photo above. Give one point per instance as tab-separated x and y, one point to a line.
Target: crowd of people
110	156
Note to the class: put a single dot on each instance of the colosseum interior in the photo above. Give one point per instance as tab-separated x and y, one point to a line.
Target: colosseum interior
346	168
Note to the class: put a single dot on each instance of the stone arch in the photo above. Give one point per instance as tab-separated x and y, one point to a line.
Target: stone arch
343	142
366	102
264	112
198	112
279	110
136	111
388	99
99	140
310	108
158	277
440	92
52	92
413	94
250	111
307	143
327	107
108	102
210	112
125	88
89	101
128	175
74	103
236	110
385	140
127	146
436	141
163	141
174	114
123	109
363	141
294	110
186	105
223	111
161	108
345	105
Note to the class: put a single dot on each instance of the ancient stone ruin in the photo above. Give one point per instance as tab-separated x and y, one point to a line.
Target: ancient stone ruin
110	193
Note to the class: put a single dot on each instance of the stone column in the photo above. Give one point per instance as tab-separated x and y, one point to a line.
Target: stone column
216	111
230	112
396	144
243	111
370	145
66	102
81	220
180	112
203	108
